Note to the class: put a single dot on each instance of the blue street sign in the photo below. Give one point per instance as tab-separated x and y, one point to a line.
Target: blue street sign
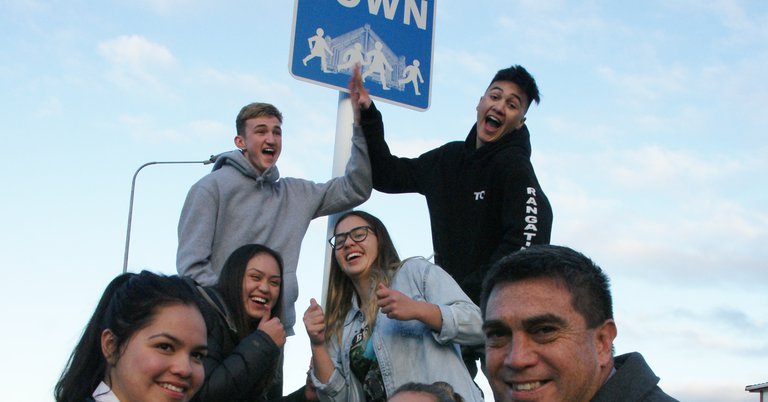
391	39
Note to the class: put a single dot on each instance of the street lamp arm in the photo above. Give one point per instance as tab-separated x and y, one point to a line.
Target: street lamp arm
208	161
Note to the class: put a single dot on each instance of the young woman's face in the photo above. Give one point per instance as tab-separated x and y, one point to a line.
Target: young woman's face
261	285
162	361
356	257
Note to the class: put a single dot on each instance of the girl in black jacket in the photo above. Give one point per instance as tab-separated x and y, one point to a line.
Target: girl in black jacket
245	335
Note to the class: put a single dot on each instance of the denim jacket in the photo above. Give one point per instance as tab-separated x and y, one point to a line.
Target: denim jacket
410	351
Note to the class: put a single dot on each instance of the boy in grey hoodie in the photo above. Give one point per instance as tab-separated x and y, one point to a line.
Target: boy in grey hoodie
242	201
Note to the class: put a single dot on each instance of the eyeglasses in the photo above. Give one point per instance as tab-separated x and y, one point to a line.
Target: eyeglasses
357	234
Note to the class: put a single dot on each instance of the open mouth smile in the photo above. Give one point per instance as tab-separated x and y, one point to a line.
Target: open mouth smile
493	121
260	301
352	256
527	386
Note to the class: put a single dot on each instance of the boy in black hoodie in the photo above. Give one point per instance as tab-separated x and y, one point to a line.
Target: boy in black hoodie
482	193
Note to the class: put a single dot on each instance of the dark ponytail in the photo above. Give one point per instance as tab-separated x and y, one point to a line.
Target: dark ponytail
128	304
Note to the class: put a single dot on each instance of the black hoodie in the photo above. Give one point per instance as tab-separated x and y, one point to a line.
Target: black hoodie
483	202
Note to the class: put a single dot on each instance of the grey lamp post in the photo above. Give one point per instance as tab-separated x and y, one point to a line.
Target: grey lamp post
133	189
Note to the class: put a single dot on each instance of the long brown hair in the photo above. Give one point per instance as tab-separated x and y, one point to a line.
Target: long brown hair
340	287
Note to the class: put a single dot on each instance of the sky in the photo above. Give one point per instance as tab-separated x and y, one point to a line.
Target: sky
649	142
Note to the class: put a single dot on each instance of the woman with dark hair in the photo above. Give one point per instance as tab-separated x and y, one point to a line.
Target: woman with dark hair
145	342
388	322
245	335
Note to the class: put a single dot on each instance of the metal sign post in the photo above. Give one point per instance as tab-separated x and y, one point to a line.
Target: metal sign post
391	40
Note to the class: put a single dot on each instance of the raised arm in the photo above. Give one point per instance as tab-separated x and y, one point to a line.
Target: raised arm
391	174
355	186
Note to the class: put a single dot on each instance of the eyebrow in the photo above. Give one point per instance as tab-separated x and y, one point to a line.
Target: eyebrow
263	273
176	340
519	99
544	319
528	322
166	335
494	324
280	126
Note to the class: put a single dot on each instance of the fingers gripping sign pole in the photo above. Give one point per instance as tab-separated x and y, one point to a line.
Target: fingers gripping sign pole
341	152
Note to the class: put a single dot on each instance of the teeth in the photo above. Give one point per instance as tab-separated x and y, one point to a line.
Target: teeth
528	386
353	255
269	150
259	300
172	387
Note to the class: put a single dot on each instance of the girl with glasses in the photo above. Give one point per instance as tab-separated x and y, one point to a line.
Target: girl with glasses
387	322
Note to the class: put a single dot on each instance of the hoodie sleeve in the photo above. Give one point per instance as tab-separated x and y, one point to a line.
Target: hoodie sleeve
354	187
527	213
391	174
197	226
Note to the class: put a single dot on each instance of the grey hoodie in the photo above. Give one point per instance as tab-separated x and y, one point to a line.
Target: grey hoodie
234	205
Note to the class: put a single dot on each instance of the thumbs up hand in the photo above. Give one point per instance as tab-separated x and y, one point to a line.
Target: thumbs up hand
314	322
274	328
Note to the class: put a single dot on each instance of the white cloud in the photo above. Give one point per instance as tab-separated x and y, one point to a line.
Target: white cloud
136	52
560	29
745	27
654	211
652	85
466	62
269	89
144	128
28	5
50	107
136	62
209	129
655	167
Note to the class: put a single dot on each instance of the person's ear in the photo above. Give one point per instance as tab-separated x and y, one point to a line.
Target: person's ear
240	142
604	336
109	346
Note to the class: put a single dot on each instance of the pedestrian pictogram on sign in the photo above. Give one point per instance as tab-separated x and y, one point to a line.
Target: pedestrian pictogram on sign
390	39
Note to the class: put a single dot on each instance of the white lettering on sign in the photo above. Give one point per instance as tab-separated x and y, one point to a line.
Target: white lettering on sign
410	10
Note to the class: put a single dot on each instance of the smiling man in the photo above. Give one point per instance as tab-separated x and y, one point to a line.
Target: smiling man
244	200
483	196
548	321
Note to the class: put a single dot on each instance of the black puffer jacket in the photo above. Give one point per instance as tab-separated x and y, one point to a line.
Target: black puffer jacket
235	370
